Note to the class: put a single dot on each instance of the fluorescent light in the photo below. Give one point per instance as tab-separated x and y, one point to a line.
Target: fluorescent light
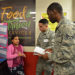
32	12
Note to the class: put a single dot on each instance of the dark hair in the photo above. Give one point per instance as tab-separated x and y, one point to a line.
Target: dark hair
13	36
44	21
55	6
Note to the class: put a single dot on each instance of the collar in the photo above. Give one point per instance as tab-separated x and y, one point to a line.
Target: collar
60	23
46	32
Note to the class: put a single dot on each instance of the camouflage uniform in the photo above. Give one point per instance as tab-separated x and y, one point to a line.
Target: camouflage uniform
63	51
45	40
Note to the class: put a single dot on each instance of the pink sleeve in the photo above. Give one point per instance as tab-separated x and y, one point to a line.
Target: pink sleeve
22	48
9	53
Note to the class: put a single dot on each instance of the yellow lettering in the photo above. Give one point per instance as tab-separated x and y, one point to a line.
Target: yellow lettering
4	12
10	14
13	14
24	12
16	14
21	14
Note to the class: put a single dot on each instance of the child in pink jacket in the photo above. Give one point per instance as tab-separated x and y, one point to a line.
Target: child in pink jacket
15	56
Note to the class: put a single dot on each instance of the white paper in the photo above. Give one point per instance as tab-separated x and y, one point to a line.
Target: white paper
39	50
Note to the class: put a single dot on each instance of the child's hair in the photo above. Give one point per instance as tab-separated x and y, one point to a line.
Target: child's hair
13	36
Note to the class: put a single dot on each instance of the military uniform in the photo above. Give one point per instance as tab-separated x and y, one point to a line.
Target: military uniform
45	41
63	51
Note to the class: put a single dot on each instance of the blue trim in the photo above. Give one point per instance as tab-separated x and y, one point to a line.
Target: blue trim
1	60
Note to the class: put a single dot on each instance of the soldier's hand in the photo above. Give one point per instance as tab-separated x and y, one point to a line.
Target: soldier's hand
45	56
40	55
48	50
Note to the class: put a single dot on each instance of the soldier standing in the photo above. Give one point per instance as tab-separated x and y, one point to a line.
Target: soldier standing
63	51
45	41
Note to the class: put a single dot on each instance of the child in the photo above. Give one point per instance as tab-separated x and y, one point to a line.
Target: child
15	56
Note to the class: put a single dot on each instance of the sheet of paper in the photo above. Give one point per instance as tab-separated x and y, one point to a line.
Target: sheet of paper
39	50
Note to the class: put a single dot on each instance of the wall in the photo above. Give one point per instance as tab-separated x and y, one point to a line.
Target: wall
73	17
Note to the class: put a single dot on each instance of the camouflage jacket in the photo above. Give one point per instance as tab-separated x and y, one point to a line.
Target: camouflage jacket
63	51
46	39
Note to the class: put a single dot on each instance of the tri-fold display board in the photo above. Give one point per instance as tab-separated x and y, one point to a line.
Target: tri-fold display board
3	39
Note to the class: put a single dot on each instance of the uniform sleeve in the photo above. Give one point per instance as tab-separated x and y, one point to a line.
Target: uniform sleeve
64	53
51	41
38	42
9	53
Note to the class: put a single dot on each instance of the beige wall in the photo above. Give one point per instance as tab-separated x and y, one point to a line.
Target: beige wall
41	7
73	17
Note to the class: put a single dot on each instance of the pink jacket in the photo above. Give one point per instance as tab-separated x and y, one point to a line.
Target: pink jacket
10	55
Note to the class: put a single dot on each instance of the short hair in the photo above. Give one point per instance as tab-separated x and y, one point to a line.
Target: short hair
13	36
44	21
55	6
